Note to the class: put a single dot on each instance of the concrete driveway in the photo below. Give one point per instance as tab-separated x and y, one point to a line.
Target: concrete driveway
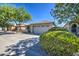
12	38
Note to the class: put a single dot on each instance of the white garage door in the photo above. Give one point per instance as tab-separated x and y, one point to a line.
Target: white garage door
39	30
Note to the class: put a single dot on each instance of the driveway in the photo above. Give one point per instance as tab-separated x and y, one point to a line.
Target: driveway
8	39
20	44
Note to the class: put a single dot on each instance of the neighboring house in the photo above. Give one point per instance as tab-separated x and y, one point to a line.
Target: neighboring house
38	28
73	26
21	27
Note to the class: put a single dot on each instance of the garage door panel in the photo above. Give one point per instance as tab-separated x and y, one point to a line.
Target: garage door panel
39	30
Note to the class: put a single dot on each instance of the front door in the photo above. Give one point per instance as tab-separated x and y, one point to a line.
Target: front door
74	29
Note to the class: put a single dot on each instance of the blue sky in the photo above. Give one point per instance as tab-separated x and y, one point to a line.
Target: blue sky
39	11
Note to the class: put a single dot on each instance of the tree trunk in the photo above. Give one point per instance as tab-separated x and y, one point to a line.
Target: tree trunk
7	28
3	29
16	26
19	27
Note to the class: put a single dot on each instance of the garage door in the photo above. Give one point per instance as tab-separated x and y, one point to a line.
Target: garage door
39	30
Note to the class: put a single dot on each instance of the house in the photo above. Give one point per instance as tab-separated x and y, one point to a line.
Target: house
34	28
38	28
73	26
21	27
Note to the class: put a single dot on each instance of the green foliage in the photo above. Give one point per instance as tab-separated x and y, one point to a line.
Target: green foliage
65	12
22	15
59	43
9	14
57	29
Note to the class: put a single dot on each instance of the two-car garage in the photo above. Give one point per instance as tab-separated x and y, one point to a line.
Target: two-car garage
38	28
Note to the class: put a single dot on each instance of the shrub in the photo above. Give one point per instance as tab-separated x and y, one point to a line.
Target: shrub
57	29
59	43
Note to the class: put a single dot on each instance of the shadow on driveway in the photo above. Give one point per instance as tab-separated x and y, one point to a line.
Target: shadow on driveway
4	33
28	47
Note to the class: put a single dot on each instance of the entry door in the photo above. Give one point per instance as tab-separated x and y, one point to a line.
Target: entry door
74	29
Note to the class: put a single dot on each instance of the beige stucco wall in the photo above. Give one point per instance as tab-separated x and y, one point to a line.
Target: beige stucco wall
67	26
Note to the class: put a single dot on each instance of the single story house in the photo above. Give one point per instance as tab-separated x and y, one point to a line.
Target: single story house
35	28
38	28
73	26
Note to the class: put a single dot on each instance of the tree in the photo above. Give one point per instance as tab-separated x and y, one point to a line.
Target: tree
65	12
12	14
5	15
19	16
22	16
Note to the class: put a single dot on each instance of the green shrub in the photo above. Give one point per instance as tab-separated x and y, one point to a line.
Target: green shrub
57	29
59	43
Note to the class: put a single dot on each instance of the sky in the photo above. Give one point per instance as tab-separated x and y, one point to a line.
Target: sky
39	11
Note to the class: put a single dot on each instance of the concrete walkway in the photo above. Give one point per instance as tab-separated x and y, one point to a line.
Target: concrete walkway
8	39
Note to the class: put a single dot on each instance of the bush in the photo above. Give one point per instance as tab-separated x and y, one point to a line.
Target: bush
59	43
57	29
